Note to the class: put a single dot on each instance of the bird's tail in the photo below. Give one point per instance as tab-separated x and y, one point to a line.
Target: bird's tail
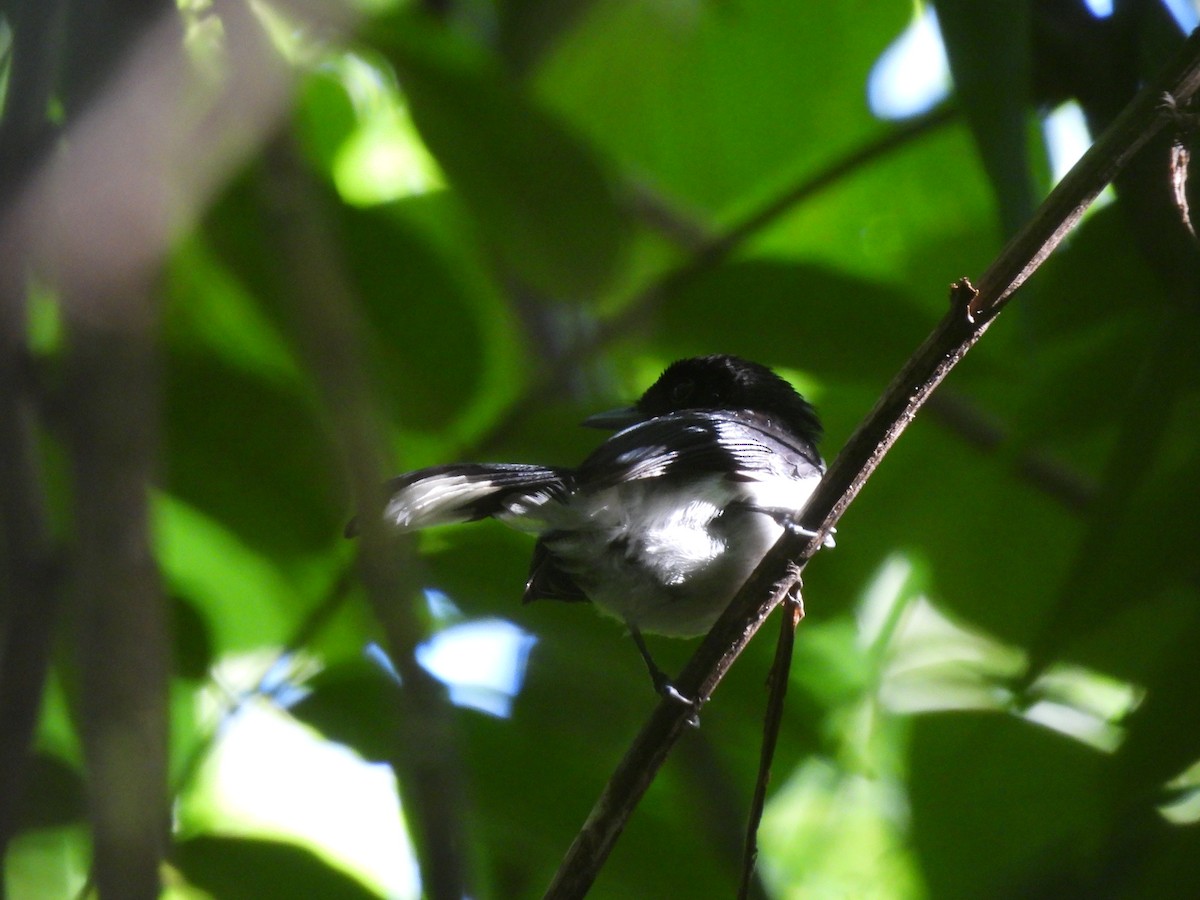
465	492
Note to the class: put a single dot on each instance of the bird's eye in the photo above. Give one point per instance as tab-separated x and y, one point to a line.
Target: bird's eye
682	391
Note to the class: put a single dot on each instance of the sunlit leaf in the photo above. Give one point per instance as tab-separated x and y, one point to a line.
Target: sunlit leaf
539	194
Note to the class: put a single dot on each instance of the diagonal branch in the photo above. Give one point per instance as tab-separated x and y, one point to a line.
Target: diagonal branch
971	312
704	257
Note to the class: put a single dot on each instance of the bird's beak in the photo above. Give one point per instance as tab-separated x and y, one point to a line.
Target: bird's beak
615	419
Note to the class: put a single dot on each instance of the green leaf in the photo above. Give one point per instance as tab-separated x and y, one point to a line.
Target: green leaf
714	104
325	117
249	869
995	798
53	794
1162	736
988	45
353	703
193	639
792	314
425	309
251	453
538	193
424	318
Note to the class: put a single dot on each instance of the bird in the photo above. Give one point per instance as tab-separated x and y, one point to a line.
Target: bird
665	520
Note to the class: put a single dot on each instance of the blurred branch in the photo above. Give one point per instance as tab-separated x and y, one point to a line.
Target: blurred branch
1046	474
29	600
972	311
117	609
26	131
707	251
110	414
706	255
425	755
661	214
151	138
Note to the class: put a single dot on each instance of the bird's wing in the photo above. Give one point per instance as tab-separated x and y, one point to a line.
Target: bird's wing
684	445
465	492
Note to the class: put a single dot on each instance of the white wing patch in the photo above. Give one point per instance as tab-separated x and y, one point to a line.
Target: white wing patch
437	500
450	498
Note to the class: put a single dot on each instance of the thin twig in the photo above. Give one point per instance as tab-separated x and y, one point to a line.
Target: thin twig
970	314
777	684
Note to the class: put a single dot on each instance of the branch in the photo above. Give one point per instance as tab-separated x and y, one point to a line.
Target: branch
705	256
972	310
145	153
425	754
29	601
777	685
117	610
1041	471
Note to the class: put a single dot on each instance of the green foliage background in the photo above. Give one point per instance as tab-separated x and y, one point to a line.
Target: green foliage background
995	690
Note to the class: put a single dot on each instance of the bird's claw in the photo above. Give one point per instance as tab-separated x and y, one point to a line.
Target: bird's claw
665	689
797	529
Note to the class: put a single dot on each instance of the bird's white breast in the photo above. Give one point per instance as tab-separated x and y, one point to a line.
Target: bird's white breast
668	559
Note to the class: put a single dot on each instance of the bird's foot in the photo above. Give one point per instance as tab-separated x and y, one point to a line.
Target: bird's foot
796	528
662	684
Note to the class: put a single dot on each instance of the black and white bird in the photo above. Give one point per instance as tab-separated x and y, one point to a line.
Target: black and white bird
664	521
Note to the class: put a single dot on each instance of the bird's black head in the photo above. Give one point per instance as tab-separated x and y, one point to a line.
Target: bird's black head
730	383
